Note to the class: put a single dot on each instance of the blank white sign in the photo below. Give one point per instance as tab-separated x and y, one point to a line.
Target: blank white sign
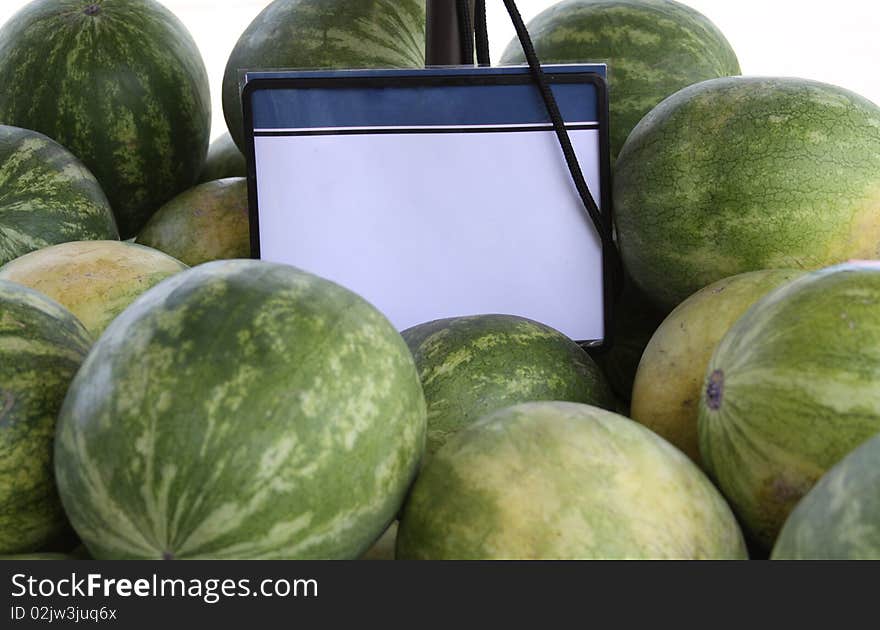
503	231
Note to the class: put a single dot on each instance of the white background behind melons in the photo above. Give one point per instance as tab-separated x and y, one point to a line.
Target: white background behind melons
836	42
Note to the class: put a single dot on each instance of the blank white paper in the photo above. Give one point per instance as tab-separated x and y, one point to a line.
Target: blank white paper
427	226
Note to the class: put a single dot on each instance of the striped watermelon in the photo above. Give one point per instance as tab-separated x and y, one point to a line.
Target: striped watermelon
839	519
47	196
790	390
470	366
41	348
121	84
653	48
96	280
556	480
241	409
224	160
38	556
747	173
669	381
325	34
208	222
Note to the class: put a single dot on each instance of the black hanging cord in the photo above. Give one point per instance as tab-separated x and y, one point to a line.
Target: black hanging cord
601	220
482	28
466	31
476	34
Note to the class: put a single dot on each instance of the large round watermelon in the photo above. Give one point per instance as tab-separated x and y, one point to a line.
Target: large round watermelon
41	348
241	410
121	84
324	34
470	366
669	381
47	196
208	222
653	48
740	174
555	480
839	519
224	160
790	390
96	280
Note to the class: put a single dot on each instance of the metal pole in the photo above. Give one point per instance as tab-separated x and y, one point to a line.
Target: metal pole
442	38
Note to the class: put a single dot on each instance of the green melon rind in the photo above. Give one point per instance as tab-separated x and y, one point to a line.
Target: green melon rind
316	34
206	223
241	410
799	392
37	556
125	90
47	196
555	480
470	366
224	160
839	519
669	381
41	347
94	280
740	174
653	48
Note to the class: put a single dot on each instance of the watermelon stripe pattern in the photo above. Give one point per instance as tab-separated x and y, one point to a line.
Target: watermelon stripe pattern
557	480
470	366
669	381
653	48
41	347
742	174
241	410
316	34
790	390
122	86
840	518
47	196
